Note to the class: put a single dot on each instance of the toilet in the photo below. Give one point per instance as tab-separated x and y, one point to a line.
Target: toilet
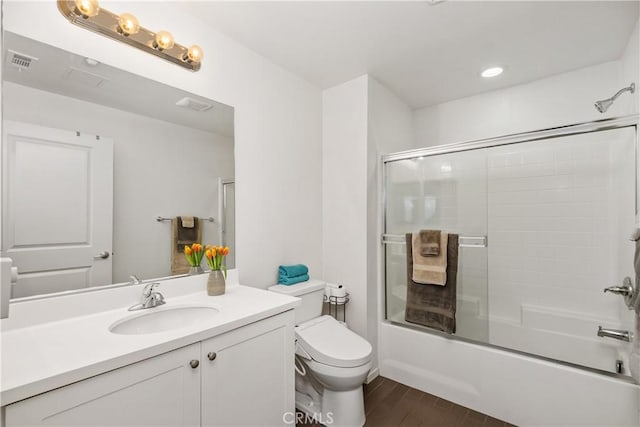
332	362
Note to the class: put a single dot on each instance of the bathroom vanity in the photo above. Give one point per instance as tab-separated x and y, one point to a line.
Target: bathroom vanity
232	364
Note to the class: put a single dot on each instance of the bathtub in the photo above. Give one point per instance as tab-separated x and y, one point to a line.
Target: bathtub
520	389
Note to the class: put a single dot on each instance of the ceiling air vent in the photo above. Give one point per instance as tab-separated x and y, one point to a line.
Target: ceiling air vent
20	60
84	78
194	105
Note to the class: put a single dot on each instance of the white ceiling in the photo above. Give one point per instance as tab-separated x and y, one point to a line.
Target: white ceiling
426	54
67	74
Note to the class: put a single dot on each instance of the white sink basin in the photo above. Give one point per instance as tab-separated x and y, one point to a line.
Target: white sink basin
153	321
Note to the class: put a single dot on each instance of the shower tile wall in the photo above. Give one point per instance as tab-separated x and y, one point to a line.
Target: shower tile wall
560	212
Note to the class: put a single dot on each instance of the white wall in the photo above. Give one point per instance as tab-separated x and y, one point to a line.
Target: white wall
555	101
390	129
344	194
155	166
277	124
390	121
361	120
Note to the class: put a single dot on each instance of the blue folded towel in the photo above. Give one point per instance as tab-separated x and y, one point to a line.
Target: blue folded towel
287	271
293	280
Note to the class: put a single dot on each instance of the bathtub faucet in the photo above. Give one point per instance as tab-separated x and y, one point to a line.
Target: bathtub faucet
617	334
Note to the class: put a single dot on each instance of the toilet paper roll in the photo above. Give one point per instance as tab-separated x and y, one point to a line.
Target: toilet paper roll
338	292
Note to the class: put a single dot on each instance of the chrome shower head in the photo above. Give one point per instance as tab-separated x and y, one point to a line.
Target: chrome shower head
603	106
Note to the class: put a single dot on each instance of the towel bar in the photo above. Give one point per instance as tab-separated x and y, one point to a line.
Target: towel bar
464	241
161	218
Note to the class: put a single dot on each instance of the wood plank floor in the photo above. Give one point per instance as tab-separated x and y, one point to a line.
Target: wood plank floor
391	404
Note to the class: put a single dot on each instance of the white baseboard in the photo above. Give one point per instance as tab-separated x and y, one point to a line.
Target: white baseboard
373	374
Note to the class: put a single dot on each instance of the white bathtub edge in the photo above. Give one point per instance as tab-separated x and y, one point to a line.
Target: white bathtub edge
515	388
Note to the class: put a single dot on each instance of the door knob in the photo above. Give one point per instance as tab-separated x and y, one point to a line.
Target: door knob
102	255
212	356
194	363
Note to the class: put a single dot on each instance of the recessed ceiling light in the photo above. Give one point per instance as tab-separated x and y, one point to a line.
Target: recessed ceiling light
492	72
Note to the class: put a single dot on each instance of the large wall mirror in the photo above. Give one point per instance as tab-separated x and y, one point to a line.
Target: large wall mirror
97	164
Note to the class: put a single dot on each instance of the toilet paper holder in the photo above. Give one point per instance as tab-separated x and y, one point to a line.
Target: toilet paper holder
336	306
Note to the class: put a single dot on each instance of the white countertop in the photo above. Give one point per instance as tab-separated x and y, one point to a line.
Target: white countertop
44	356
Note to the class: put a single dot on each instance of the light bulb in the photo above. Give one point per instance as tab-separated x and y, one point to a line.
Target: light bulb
87	8
194	54
128	24
164	40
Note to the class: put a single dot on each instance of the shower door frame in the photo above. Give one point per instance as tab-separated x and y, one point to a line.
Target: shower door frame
632	120
223	204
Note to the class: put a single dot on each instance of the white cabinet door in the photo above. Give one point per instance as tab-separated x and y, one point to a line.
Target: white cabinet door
250	381
57	208
161	391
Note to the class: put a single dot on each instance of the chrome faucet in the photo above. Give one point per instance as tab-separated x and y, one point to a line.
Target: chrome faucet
149	298
617	334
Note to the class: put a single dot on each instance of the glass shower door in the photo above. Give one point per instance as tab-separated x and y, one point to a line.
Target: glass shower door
443	192
227	214
557	213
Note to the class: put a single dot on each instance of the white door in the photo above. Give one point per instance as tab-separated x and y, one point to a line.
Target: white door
57	208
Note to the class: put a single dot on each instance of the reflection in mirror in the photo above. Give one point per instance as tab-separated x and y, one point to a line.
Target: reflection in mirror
92	156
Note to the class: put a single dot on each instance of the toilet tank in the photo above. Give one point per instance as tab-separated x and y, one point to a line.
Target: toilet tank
311	292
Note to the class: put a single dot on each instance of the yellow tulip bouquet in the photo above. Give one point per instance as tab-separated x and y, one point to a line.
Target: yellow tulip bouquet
215	258
194	254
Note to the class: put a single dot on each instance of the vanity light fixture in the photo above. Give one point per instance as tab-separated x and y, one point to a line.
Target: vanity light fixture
492	72
125	28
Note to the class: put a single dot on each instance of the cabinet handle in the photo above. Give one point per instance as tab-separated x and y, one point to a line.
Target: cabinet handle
194	363
212	356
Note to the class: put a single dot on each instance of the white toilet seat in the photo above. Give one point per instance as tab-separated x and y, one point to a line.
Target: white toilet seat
330	343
